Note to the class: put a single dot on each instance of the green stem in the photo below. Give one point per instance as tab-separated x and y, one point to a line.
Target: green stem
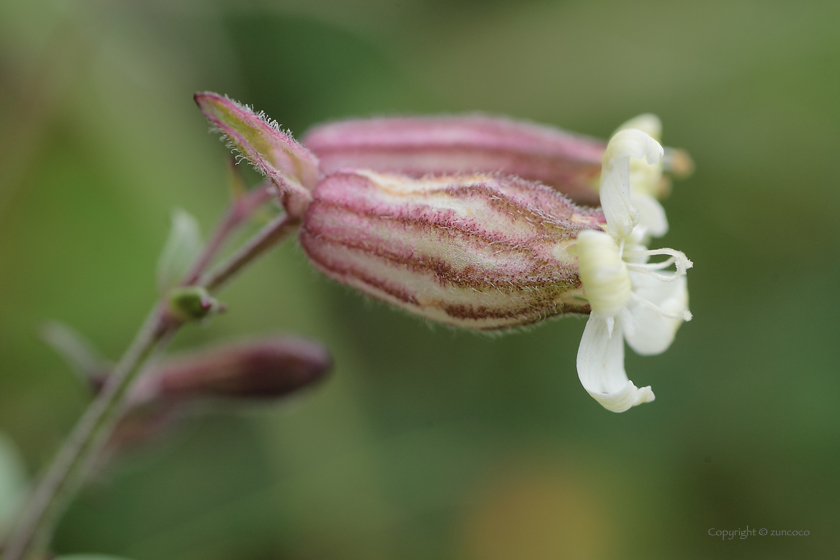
242	209
266	238
66	474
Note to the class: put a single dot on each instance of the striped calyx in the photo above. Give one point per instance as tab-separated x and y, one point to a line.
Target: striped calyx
476	251
417	146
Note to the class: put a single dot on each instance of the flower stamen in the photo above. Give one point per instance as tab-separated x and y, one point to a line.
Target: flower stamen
684	315
678	258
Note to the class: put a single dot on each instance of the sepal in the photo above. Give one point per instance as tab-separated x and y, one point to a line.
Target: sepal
272	151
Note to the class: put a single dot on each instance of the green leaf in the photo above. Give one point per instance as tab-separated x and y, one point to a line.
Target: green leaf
79	353
13	482
180	250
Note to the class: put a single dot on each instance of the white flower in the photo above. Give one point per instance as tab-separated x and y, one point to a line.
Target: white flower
649	179
631	299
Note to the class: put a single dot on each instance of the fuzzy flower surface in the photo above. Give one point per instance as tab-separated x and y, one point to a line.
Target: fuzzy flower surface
481	252
472	222
477	143
632	299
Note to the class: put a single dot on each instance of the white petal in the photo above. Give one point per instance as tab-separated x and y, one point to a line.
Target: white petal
615	191
647	123
600	365
615	198
603	274
654	332
651	214
645	178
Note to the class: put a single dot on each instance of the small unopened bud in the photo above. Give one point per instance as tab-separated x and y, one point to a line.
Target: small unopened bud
272	152
260	370
418	146
263	369
193	303
476	251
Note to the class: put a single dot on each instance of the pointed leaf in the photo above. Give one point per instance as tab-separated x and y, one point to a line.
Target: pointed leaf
12	483
79	353
273	152
180	250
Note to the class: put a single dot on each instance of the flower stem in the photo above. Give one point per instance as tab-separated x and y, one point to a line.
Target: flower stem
266	238
242	209
66	474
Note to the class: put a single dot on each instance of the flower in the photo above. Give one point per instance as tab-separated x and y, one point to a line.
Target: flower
450	218
631	299
458	144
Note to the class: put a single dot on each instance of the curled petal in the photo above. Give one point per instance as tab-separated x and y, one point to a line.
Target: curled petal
620	213
648	123
647	177
600	365
656	325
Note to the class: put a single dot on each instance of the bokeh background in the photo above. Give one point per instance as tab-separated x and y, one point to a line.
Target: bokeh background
428	443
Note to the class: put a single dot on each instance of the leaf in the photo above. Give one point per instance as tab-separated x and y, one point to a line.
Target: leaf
79	353
13	483
180	250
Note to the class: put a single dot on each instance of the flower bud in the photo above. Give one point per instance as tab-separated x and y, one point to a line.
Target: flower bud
192	303
262	369
476	251
272	152
417	146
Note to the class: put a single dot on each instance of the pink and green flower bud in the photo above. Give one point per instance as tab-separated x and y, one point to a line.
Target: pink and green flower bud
419	146
272	152
479	251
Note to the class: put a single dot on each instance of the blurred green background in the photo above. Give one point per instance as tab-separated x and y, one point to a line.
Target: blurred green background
428	443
